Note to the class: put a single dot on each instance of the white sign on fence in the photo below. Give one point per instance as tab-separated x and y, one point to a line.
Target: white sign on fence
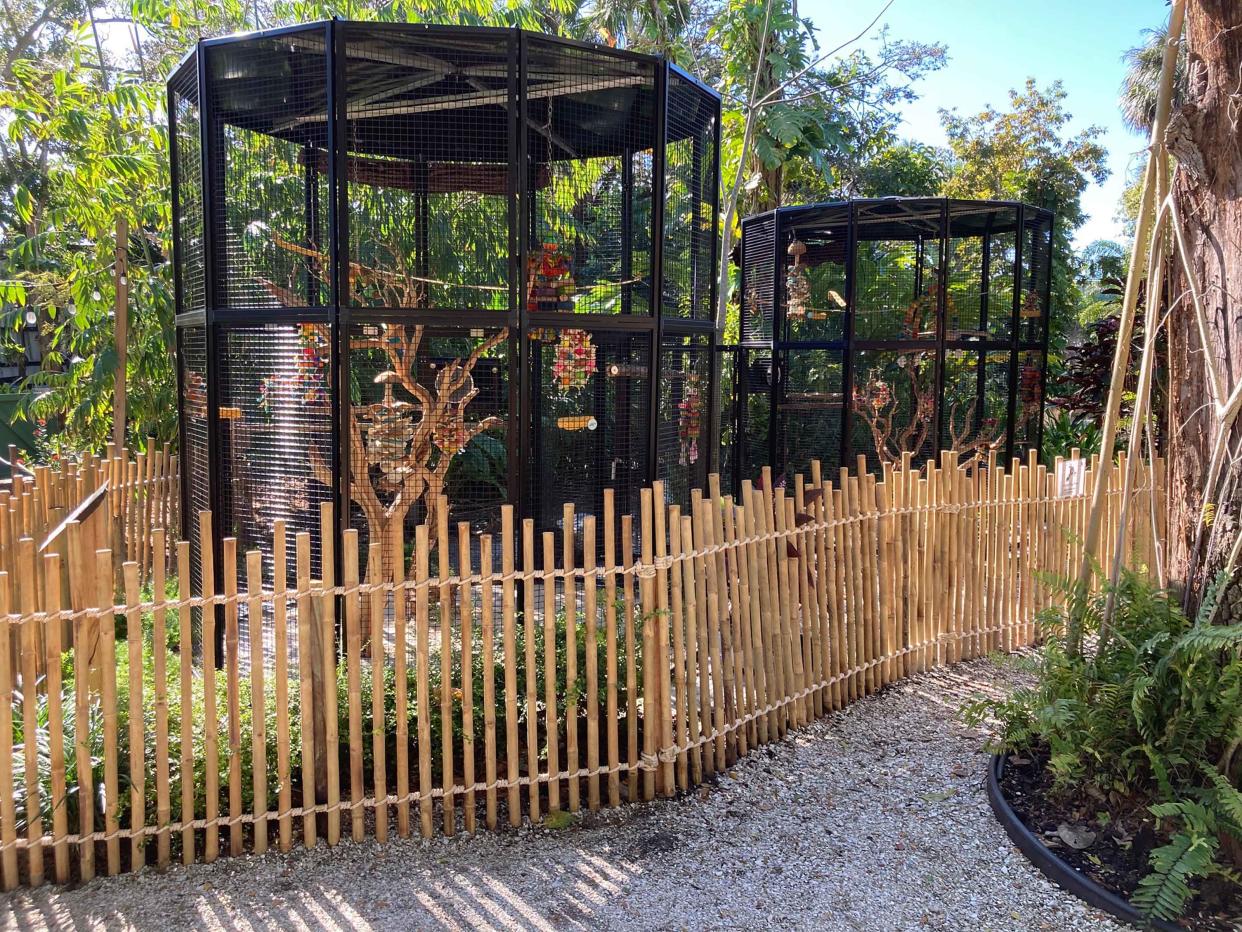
1071	478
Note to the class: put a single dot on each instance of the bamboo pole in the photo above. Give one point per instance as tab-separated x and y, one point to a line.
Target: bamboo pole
551	712
422	687
590	596
137	738
570	601
28	601
487	628
611	710
1129	306
8	811
108	698
466	614
280	634
401	681
55	719
532	684
185	664
258	704
353	673
379	734
308	661
507	605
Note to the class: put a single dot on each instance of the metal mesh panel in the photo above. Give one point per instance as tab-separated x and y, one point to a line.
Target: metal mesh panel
758	238
1036	267
755	416
893	405
1030	402
187	156
811	411
689	200
276	459
269	103
685	394
975	404
814	266
896	289
430	418
727	424
590	403
428	169
192	350
1002	260
589	134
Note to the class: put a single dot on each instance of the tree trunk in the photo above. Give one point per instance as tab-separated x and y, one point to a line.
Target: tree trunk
1204	138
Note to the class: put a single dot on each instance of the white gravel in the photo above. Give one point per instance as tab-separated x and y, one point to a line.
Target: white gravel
873	818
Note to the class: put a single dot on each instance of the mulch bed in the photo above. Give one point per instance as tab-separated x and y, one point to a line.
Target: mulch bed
1107	843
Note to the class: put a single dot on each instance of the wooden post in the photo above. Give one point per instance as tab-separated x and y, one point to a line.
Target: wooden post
120	279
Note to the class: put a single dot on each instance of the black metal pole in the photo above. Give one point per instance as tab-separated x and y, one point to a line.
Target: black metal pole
339	289
847	364
1015	323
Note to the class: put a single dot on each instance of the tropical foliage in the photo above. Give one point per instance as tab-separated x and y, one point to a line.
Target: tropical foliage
1149	719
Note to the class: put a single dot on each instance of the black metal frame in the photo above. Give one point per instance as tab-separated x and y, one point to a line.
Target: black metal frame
847	217
339	312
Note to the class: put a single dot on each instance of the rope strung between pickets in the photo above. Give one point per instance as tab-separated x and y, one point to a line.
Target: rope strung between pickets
640	569
645	762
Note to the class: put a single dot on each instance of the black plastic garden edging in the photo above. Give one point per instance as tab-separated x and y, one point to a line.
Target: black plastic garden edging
1056	870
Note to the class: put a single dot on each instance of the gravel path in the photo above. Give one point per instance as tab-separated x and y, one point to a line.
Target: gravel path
873	818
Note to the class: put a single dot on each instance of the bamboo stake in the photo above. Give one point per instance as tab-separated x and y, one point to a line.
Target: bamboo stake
325	688
510	642
401	682
571	657
631	657
422	688
280	634
307	661
1137	270
466	613
379	734
185	663
137	738
735	667
159	658
676	621
30	622
8	811
107	660
487	625
661	632
353	668
532	684
550	704
590	596
258	704
694	670
55	718
753	564
232	669
610	650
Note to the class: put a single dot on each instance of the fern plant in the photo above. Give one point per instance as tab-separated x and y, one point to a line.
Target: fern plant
1154	713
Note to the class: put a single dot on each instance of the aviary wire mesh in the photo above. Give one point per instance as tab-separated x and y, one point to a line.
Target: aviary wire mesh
682	450
440	260
590	395
901	325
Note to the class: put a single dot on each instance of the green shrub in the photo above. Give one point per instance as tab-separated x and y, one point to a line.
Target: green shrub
1153	713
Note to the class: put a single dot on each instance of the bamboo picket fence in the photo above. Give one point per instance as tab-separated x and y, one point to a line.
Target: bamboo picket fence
617	659
116	496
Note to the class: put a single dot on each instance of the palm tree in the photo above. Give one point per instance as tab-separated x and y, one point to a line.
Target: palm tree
1138	87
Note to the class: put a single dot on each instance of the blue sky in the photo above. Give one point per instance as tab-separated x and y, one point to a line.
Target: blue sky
994	45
